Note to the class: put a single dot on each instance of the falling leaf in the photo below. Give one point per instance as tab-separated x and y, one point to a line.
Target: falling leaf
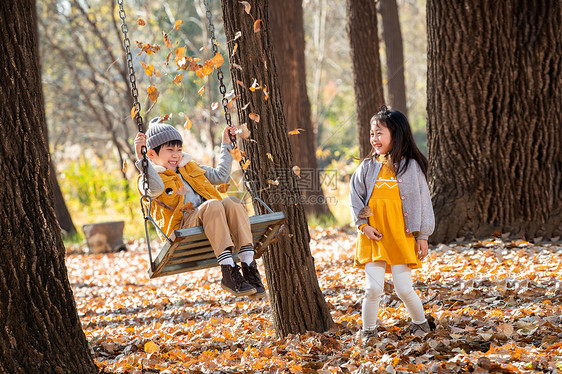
247	6
125	166
222	188
214	105
297	171
254	117
230	104
240	83
265	92
237	35
141	22
201	91
168	57
270	156
204	70
365	212
257	25
180	52
216	61
245	106
153	93
178	24
187	125
134	112
149	70
167	40
147	48
246	164
144	66
244	131
255	85
295	131
234	50
236	154
178	79
165	117
273	182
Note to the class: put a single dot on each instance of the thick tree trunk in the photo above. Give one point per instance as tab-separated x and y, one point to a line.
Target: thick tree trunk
287	33
41	331
61	211
392	36
367	78
494	117
296	299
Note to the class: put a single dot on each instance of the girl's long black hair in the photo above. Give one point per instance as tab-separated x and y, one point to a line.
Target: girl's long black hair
403	144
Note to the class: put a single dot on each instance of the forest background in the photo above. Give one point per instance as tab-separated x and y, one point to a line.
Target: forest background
495	172
88	102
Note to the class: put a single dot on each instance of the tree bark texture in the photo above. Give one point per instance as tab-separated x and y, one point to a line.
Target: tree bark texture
392	35
61	211
494	118
41	331
367	76
296	300
287	33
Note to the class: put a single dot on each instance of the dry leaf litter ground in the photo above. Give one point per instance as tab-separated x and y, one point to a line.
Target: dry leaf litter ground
497	306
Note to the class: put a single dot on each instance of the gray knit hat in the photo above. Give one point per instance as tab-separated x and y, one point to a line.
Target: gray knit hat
159	133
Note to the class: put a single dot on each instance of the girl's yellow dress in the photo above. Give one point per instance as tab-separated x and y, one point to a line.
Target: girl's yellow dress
396	247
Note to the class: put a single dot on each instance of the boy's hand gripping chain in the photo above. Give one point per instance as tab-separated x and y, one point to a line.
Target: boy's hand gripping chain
250	187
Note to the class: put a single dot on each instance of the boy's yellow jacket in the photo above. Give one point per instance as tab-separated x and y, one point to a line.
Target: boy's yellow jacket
166	207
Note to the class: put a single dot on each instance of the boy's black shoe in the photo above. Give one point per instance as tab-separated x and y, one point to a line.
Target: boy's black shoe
233	282
253	277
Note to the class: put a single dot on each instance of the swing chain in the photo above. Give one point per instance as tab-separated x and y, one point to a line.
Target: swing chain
222	88
145	207
135	94
220	75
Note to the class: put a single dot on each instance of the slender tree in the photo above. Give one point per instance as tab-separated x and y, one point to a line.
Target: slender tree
287	32
41	331
494	117
296	299
61	210
367	76
392	35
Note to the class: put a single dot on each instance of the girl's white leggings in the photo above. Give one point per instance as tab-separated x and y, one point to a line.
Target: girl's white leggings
402	279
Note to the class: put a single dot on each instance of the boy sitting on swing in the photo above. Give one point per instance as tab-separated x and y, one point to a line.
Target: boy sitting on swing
175	180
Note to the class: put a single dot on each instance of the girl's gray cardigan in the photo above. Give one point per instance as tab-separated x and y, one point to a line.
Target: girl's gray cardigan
416	202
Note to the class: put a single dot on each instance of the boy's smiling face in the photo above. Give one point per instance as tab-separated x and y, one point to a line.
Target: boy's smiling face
168	157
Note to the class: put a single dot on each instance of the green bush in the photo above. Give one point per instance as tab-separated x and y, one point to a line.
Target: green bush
96	191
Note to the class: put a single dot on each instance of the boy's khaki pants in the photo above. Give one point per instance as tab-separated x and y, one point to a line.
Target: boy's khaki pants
220	221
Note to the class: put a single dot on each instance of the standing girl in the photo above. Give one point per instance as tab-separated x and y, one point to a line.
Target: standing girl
391	207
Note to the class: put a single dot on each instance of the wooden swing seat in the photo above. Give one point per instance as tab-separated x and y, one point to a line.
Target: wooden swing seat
190	249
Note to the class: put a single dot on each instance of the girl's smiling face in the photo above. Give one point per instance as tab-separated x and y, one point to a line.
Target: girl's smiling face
168	157
381	139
